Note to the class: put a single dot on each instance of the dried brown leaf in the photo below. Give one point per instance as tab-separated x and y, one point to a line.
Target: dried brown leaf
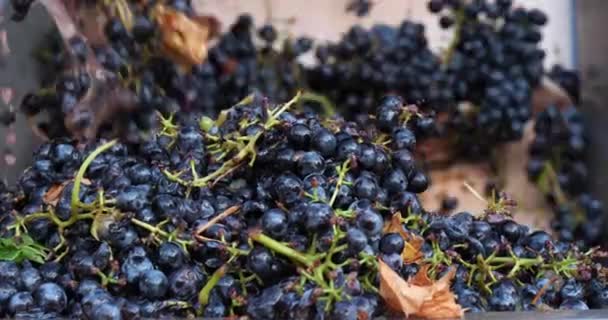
52	195
443	302
432	301
212	23
412	251
184	39
421	278
399	295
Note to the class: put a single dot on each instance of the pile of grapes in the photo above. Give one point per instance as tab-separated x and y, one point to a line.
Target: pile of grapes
143	78
265	212
557	165
491	70
154	199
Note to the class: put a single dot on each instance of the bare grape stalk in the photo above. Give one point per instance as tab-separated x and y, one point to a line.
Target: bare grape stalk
186	37
105	98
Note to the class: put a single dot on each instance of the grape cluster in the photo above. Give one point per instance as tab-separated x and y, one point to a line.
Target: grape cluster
6	198
366	64
237	67
265	212
225	216
268	212
496	61
557	164
524	286
483	82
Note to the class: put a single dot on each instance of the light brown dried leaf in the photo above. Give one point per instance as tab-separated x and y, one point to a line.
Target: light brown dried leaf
412	251
421	278
184	39
431	301
399	295
52	195
443	302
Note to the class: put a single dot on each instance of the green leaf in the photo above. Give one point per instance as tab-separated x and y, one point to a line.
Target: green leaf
26	240
25	248
32	254
10	255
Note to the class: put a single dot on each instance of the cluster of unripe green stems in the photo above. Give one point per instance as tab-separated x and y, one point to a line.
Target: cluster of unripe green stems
244	146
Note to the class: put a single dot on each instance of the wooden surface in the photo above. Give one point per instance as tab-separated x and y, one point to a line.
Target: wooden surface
531	207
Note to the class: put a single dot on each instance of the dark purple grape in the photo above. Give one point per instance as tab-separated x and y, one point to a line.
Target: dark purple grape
274	223
185	283
153	284
51	297
317	216
504	297
392	243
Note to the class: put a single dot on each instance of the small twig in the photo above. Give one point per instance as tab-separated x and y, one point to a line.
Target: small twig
225	174
542	290
474	192
217	218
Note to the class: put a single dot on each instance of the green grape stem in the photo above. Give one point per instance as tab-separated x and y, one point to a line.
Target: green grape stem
342	170
329	109
108	279
203	295
318	267
548	183
282	249
246	151
437	258
75	203
157	231
459	22
485	267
